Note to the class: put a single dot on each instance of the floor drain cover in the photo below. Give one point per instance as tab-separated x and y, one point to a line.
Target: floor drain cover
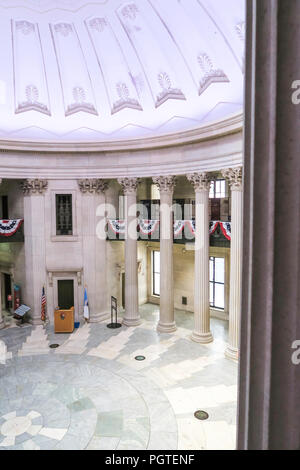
53	346
200	414
114	325
139	358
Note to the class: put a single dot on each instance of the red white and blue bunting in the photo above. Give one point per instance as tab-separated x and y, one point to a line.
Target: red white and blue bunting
117	226
9	227
226	229
148	227
213	225
178	227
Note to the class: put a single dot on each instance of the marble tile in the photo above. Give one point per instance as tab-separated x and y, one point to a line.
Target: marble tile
109	424
90	393
103	443
53	433
163	441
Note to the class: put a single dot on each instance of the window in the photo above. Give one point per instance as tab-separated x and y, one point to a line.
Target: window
216	282
155	194
4	207
156	272
217	189
64	219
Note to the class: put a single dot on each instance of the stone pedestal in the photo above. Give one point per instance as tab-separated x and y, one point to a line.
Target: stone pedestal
94	246
201	333
166	322
34	240
132	315
234	177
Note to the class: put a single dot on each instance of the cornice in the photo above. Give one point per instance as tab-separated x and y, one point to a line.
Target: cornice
231	125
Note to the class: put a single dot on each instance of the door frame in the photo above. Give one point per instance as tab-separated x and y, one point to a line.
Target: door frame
52	291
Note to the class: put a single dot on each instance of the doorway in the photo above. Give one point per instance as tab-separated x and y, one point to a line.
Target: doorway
65	293
7	291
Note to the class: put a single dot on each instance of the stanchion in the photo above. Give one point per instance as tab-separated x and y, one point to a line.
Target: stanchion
114	309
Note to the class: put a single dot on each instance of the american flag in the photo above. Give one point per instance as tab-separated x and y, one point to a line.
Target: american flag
43	305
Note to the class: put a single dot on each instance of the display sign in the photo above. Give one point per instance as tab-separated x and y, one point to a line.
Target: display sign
22	310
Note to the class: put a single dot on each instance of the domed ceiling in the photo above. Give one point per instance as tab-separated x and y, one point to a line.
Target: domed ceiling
75	70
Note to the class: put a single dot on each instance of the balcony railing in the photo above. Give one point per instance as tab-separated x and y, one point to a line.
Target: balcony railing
183	231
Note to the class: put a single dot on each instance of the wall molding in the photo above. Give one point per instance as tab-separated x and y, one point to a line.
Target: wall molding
230	125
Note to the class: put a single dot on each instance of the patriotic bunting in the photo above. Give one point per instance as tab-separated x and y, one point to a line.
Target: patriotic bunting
226	229
192	225
178	227
148	227
213	225
117	226
9	227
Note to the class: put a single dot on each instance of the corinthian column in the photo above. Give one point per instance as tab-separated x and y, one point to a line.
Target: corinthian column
34	243
132	315
94	246
201	333
166	322
234	177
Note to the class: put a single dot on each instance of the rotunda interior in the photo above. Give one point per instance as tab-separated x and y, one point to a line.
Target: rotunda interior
125	206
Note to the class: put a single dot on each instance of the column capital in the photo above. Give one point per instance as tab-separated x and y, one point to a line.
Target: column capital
92	186
234	176
34	186
200	181
165	184
129	185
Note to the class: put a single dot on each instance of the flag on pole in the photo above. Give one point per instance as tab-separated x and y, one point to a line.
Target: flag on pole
86	312
43	305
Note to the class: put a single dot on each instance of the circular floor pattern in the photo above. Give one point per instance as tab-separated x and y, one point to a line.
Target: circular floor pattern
65	402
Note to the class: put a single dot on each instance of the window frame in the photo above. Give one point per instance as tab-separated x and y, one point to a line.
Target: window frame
154	272
212	304
64	238
214	195
57	195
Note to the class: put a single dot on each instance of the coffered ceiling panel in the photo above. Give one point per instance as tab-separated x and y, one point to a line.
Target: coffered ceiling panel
112	69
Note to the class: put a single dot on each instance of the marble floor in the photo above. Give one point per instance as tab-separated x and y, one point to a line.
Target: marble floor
90	392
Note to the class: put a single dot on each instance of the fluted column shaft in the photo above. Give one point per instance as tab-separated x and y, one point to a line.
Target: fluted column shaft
132	315
34	244
234	176
166	322
94	246
201	333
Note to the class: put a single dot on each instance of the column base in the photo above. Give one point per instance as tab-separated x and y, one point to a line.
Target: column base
36	322
99	317
203	338
166	327
232	353
131	321
2	324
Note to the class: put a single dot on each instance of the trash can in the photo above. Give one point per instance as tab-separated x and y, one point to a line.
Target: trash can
64	321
